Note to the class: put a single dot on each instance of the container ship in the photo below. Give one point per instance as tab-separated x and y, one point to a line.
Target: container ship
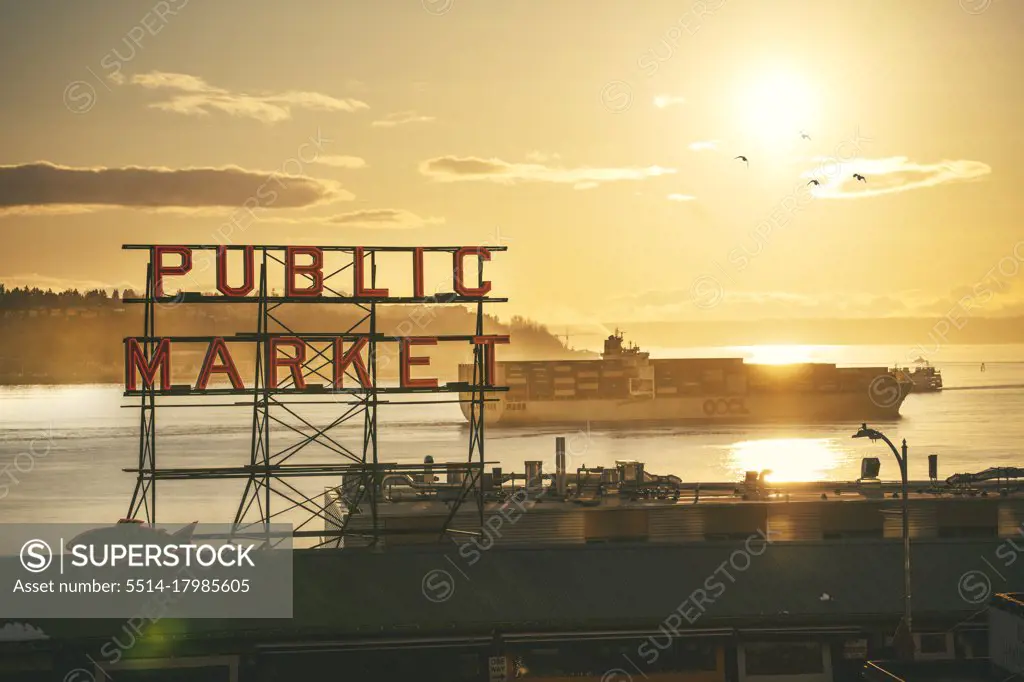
627	386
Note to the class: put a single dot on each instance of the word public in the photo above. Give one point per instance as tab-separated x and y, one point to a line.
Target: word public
306	279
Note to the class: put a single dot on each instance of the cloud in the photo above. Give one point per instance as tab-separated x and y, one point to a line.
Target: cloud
48	186
1000	299
401	118
702	145
46	210
341	161
541	157
468	168
383	218
888	176
669	304
191	95
680	197
662	101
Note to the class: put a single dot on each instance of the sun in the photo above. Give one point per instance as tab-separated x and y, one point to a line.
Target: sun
780	354
775	107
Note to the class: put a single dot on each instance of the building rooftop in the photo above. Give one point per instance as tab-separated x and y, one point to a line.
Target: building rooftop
442	591
722	494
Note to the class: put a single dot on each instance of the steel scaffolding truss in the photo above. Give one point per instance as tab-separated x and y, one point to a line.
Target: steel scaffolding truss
276	412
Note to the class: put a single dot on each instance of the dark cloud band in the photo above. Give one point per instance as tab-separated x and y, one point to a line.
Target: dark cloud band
47	184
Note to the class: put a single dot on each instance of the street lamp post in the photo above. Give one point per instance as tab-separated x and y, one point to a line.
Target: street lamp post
907	643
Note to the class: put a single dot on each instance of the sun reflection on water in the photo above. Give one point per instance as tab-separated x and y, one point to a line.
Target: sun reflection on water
788	459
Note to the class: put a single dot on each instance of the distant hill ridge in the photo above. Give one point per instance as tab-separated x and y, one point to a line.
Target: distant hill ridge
927	332
77	337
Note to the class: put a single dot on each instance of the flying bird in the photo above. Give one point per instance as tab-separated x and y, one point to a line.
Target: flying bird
858	176
744	160
804	135
813	182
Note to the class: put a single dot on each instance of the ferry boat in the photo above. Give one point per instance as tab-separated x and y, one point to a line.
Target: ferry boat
626	386
925	377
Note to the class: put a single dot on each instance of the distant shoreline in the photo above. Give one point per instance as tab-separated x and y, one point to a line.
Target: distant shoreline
51	384
939	357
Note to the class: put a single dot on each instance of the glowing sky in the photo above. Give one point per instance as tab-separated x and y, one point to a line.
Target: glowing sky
595	139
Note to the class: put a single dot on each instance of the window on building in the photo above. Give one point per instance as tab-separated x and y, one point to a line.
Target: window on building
199	674
975	643
933	643
968	532
854	534
469	666
592	659
726	537
547	661
783	658
694	655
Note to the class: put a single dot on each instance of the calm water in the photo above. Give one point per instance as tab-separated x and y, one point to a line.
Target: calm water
72	442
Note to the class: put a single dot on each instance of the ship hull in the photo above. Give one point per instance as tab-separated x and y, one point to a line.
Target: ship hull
794	408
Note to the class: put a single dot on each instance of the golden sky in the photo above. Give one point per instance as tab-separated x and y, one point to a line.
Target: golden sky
596	139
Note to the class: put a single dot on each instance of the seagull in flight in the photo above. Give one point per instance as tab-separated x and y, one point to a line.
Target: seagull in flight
804	135
813	182
744	160
858	176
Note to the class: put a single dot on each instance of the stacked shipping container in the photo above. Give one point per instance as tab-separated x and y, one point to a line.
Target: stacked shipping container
610	379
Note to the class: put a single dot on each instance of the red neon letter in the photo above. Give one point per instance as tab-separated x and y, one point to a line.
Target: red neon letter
294	364
218	351
489	353
460	286
417	272
222	273
314	271
406	361
135	360
159	269
350	357
359	288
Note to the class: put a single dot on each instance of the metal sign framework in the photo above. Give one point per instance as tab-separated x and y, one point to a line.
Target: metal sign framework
268	470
